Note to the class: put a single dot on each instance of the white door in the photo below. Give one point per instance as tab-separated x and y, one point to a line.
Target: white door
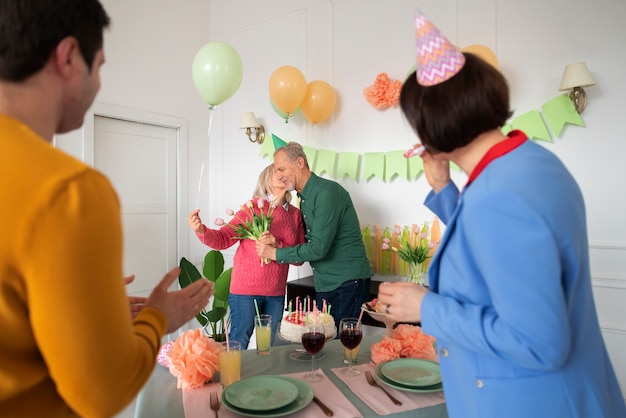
140	159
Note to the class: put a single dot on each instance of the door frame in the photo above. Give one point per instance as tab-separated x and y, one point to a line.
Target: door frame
139	116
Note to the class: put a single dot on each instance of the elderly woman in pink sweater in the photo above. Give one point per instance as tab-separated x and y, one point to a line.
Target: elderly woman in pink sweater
252	280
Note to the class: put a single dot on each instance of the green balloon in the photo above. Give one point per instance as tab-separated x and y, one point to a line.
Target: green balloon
216	72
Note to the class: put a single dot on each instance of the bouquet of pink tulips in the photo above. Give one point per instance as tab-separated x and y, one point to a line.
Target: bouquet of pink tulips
258	219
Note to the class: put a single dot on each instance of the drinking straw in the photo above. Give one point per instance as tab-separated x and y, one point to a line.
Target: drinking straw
227	341
257	312
360	316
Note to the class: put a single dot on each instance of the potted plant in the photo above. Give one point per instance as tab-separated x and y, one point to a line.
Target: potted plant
213	270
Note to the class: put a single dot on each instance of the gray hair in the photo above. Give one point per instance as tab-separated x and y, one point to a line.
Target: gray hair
293	151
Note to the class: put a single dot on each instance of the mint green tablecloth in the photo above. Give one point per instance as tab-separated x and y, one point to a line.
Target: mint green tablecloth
161	399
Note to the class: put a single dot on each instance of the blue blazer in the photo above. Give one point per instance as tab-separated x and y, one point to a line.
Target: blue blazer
511	303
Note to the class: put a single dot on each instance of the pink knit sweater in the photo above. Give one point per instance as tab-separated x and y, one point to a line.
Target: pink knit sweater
249	277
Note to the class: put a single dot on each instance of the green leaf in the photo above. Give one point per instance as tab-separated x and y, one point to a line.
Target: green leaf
213	265
222	289
213	269
202	318
216	314
188	273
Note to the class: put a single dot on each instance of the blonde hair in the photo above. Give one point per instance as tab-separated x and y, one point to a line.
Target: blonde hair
264	184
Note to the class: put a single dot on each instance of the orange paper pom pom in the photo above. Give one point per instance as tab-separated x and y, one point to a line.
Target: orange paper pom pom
415	344
194	359
406	341
385	349
383	93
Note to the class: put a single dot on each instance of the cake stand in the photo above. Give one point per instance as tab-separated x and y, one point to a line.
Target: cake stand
300	354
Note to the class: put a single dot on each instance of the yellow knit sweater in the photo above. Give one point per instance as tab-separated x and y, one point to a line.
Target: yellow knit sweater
67	344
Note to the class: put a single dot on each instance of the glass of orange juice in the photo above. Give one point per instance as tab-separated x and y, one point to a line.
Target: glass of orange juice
230	363
351	355
263	330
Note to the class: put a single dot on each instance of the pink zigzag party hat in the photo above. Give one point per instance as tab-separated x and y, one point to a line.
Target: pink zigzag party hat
437	59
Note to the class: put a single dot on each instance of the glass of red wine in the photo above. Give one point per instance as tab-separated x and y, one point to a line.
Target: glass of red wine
350	334
313	340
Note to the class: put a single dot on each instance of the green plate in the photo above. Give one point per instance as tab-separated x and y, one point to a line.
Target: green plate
412	372
424	389
304	397
261	393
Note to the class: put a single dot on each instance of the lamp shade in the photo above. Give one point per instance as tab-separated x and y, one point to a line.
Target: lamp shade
576	75
248	120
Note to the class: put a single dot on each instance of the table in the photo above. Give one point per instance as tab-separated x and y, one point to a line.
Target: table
160	397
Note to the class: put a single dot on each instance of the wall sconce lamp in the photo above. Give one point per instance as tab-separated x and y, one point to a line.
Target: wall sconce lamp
575	77
249	122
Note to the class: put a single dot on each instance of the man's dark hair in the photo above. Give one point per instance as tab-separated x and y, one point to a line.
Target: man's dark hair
31	29
450	115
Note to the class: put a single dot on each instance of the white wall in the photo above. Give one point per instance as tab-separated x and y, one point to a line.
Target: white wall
347	43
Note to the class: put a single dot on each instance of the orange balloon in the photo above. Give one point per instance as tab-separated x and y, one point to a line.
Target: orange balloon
287	88
484	53
319	101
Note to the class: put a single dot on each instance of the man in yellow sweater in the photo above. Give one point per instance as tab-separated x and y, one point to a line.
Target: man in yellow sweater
68	346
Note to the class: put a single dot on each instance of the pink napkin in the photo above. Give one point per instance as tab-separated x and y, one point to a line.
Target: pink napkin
196	401
378	401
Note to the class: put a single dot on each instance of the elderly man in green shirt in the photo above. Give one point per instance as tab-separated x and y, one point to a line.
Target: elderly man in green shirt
334	246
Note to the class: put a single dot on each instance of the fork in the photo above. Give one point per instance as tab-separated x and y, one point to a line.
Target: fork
215	403
373	382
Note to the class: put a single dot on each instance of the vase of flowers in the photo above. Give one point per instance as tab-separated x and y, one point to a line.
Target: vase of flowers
414	255
417	272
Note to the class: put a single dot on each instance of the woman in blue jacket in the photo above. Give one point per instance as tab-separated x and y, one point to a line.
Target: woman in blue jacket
510	299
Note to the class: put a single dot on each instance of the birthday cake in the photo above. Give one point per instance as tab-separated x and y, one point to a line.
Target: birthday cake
293	324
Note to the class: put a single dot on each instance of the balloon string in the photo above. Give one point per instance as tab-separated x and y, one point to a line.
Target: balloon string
199	186
204	159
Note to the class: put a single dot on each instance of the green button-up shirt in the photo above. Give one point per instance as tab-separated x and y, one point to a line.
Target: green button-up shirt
334	245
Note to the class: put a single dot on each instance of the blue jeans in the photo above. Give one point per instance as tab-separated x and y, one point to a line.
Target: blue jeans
243	311
346	300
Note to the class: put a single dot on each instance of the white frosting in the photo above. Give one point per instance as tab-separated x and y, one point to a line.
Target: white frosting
292	329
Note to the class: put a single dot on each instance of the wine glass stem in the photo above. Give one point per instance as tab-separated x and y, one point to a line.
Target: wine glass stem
312	365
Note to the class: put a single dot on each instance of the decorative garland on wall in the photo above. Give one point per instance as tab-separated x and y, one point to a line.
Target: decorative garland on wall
541	125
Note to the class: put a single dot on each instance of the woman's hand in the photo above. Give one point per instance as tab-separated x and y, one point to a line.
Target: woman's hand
135	303
268	239
436	169
180	306
401	301
195	222
265	246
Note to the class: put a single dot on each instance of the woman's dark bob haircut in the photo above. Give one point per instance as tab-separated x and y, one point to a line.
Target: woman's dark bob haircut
450	115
